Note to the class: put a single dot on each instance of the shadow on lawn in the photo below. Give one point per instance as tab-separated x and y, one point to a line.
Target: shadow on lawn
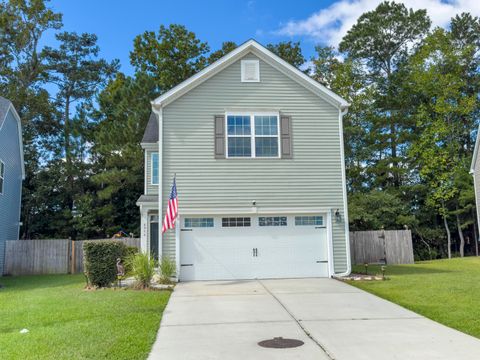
32	282
400	270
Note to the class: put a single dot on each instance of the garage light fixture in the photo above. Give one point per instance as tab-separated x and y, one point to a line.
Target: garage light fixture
338	216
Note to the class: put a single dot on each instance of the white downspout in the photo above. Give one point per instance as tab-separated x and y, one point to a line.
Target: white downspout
341	113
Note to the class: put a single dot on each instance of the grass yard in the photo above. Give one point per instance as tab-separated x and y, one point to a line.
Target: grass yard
67	322
447	291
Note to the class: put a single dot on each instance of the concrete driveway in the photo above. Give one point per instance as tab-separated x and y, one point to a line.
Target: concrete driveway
226	320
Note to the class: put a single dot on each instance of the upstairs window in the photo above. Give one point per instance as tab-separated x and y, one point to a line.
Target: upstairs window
253	135
154	161
2	176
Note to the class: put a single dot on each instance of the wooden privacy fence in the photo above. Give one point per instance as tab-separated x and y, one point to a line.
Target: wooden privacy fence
392	246
59	256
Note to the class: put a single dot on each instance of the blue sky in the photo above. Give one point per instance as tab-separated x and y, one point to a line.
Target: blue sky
117	22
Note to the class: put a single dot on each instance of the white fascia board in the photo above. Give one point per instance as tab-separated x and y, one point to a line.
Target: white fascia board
475	153
267	56
20	137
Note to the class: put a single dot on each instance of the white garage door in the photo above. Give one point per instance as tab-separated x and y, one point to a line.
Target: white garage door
249	247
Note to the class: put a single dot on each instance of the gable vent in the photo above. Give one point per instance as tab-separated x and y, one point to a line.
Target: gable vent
250	71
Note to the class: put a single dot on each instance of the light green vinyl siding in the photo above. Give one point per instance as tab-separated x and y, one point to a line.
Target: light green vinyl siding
151	189
313	178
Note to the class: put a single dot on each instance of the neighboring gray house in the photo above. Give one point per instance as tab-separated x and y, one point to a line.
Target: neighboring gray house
257	149
475	171
12	173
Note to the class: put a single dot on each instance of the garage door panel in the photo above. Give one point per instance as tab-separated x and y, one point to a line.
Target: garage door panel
223	253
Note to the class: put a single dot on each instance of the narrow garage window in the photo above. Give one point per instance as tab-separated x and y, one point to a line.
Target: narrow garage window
309	220
236	222
198	222
272	221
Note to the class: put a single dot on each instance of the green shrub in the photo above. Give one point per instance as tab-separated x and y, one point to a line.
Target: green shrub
143	268
167	269
100	259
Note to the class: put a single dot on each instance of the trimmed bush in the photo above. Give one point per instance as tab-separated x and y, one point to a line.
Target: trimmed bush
100	259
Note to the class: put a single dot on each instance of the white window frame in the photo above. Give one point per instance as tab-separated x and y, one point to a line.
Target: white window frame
252	135
151	168
2	176
242	70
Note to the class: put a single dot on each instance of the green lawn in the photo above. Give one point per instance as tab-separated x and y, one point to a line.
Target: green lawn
447	291
67	322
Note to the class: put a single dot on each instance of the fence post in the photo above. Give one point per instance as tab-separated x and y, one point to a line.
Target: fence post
72	257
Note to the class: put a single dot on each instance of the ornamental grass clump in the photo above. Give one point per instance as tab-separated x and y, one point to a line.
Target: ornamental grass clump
167	270
142	267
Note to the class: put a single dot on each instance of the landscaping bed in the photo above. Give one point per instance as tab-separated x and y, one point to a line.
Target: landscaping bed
447	291
64	321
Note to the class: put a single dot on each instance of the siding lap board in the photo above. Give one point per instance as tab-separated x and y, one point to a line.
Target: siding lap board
312	178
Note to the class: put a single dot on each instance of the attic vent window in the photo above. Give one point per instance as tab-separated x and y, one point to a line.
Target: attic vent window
250	71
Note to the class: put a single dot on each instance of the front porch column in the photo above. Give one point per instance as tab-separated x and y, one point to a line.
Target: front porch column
144	229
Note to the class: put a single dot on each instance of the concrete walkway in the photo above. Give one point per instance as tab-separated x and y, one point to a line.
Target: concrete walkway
226	320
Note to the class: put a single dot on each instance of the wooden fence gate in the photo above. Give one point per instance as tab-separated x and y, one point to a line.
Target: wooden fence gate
390	246
59	256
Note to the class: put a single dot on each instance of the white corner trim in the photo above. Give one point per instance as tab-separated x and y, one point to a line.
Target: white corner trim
267	55
20	136
341	113
177	245
331	268
159	111
475	152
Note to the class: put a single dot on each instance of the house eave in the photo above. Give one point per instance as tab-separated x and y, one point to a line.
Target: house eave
264	54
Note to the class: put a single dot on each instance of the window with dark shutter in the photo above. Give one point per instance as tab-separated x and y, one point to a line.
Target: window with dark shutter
286	136
219	136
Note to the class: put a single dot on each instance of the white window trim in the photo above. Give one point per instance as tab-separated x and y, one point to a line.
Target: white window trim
252	135
242	70
151	168
2	188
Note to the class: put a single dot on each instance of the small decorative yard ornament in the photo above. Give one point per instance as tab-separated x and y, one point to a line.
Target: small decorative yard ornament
366	268
120	271
383	268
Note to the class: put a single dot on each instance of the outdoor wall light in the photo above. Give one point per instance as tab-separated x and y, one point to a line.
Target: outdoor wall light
338	216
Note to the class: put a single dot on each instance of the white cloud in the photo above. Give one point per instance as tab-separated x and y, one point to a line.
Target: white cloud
329	25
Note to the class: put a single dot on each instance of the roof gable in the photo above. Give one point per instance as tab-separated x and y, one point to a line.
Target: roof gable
151	131
475	152
6	106
266	55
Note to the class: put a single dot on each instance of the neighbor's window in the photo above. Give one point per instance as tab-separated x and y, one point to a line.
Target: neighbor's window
309	220
236	222
2	176
154	160
198	222
272	221
253	135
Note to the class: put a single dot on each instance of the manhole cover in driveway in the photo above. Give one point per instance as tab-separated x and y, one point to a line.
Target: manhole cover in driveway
280	343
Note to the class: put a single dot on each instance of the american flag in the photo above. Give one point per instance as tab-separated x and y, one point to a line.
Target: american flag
172	209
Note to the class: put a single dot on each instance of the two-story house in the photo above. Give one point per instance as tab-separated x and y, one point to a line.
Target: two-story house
12	173
257	149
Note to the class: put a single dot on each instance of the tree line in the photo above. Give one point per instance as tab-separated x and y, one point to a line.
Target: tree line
409	133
